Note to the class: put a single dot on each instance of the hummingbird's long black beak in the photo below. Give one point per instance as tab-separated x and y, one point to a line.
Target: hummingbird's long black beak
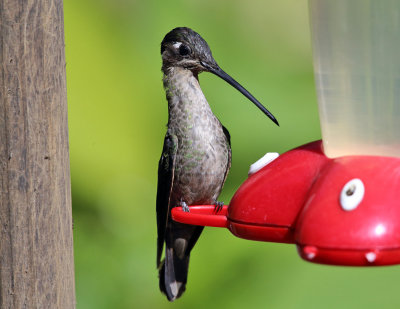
225	76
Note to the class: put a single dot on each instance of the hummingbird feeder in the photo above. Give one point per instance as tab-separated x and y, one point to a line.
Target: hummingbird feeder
337	199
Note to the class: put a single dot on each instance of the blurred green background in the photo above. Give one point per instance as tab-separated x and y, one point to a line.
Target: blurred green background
117	118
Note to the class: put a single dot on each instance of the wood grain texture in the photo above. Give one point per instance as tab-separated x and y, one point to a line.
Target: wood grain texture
36	248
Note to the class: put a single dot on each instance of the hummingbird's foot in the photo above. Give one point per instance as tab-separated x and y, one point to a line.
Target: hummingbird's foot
185	207
218	206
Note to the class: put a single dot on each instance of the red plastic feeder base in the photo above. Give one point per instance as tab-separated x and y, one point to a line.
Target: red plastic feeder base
282	234
341	211
206	215
349	257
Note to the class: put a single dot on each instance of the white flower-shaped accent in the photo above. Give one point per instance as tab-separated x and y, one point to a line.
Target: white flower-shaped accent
265	160
352	194
370	256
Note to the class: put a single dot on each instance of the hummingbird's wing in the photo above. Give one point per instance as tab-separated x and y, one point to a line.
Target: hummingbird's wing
228	167
166	167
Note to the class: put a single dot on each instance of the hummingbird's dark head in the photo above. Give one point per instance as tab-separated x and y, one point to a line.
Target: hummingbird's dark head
183	47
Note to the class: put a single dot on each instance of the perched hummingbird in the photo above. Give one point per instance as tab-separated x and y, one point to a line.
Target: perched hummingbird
196	156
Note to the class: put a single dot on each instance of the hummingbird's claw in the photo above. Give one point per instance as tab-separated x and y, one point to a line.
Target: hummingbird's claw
185	207
218	206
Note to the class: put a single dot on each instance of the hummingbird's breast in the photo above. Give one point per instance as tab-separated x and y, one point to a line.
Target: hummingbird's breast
203	152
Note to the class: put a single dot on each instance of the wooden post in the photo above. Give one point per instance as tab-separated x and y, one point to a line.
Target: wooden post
36	249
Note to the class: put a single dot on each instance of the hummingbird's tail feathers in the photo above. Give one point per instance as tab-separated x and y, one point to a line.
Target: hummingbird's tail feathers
173	271
173	274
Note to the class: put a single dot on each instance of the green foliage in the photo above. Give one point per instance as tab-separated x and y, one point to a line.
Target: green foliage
117	117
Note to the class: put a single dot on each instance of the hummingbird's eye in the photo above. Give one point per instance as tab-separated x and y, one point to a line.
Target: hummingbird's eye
184	50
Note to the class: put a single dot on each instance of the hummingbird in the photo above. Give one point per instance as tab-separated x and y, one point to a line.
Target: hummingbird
196	155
